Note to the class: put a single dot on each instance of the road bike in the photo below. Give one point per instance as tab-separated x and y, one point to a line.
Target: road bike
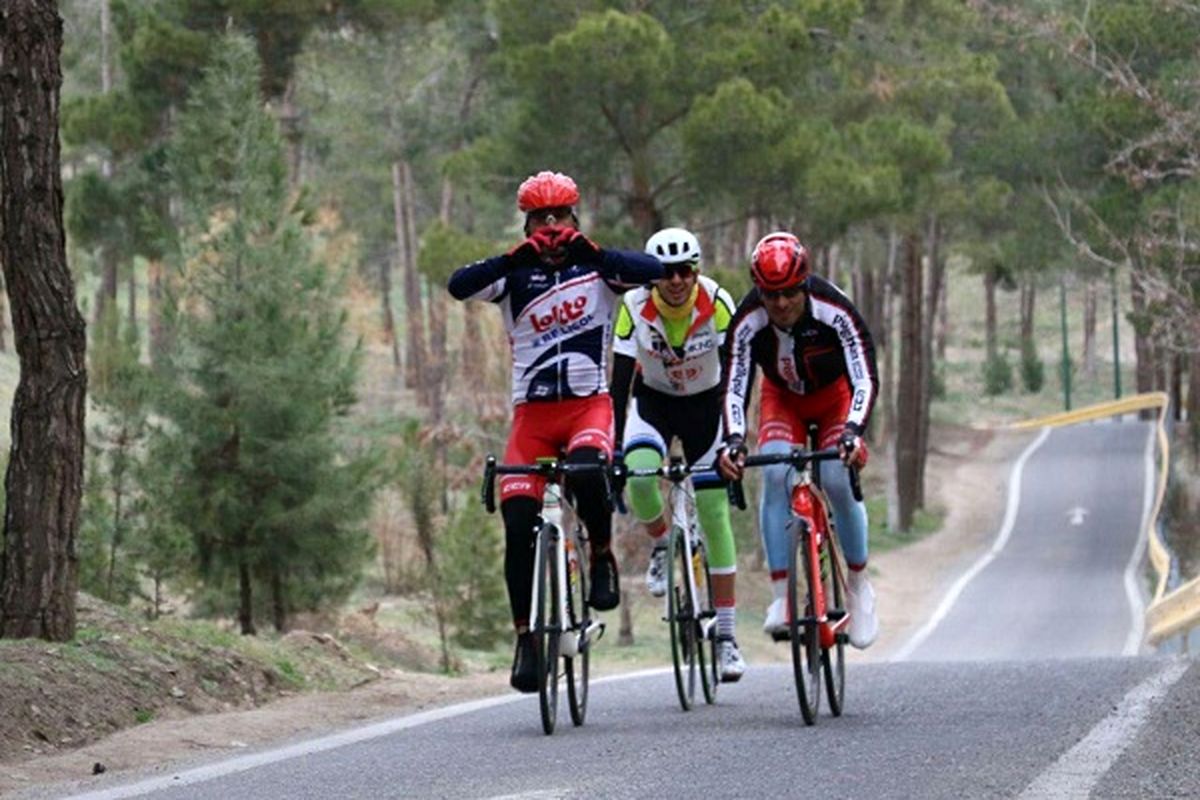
689	610
560	618
816	582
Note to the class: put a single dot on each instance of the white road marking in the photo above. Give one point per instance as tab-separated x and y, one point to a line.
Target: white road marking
1077	515
301	749
1077	771
1010	518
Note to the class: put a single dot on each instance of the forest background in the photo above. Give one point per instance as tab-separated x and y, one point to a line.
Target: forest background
264	200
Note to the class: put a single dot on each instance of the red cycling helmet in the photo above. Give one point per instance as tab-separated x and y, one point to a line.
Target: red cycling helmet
779	262
547	190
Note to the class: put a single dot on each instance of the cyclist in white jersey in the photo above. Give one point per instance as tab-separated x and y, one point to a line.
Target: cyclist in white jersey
667	354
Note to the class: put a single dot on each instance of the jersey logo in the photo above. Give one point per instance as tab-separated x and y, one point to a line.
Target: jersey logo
562	313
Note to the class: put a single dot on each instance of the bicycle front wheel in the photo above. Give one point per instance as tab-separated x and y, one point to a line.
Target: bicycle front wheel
833	657
681	619
578	620
547	626
802	627
706	625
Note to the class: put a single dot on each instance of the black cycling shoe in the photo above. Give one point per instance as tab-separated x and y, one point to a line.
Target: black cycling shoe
605	593
524	676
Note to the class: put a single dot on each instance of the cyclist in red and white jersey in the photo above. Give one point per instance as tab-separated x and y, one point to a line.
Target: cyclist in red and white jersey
818	363
557	291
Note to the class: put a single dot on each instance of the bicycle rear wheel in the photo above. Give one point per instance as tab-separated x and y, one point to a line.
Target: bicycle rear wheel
802	627
706	647
547	626
681	619
578	619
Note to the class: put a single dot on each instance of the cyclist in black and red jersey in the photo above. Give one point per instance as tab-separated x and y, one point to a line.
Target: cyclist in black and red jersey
557	291
818	364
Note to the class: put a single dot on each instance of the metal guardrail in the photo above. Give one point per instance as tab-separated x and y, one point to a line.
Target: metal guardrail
1169	613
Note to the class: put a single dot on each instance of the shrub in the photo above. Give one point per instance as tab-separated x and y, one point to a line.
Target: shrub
1033	372
997	375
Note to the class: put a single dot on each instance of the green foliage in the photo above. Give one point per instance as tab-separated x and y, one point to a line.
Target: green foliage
997	375
445	249
260	372
471	578
1033	372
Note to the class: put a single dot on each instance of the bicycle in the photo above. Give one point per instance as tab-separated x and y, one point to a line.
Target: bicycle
560	617
818	621
689	609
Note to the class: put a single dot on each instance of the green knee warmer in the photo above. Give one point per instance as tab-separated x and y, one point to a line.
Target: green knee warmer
645	500
712	507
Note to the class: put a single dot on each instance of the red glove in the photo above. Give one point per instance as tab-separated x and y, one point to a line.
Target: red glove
549	241
854	449
527	253
581	249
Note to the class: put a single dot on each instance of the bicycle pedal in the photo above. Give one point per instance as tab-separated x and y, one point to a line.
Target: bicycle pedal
835	614
781	636
593	632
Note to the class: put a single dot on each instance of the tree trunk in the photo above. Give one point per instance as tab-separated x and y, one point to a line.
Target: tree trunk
1091	302
1028	306
936	285
1177	386
154	318
246	600
279	611
887	372
1143	345
908	394
414	372
1193	398
389	319
131	294
3	321
642	210
39	568
990	279
943	328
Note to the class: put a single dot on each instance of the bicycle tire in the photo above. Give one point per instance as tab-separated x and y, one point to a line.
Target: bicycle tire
833	658
681	619
579	617
707	645
547	627
802	628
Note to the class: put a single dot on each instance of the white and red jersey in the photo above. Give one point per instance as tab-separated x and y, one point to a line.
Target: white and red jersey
559	322
829	343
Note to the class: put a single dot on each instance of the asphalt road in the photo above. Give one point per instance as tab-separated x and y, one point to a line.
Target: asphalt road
1024	684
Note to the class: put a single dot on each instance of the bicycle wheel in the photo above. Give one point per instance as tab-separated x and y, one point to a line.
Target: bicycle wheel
547	626
802	628
706	650
578	619
833	658
681	619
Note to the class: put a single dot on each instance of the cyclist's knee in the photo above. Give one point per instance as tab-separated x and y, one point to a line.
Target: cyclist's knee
644	495
835	480
520	514
775	476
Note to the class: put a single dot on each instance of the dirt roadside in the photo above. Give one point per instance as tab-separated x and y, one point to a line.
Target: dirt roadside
967	476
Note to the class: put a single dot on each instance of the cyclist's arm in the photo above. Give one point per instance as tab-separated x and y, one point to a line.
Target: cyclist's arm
834	309
624	368
624	269
482	280
739	367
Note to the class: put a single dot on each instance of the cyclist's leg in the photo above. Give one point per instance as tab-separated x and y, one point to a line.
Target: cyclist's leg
699	428
644	448
778	431
828	410
850	518
521	503
592	427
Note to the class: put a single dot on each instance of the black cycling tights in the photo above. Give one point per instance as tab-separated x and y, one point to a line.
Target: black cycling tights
520	526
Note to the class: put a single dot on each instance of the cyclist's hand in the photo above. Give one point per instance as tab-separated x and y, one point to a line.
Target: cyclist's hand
731	457
526	254
853	449
580	248
551	241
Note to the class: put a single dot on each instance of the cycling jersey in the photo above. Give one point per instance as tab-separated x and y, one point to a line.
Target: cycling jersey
829	343
558	321
686	369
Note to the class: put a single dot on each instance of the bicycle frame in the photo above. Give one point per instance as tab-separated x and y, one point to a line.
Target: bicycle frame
810	511
566	569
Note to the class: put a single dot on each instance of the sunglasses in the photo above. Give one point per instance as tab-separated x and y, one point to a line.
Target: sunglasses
789	293
683	270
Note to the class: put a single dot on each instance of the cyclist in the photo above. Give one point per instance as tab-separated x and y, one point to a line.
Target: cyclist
667	345
557	291
818	363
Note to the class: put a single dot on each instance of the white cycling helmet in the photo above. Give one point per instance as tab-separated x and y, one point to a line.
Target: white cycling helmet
674	246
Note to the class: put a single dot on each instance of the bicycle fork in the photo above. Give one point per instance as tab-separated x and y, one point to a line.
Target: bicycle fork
683	521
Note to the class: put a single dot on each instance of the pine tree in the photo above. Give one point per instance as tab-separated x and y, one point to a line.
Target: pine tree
260	368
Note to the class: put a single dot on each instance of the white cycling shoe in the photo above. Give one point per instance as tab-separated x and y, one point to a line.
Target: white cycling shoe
860	602
730	663
776	621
